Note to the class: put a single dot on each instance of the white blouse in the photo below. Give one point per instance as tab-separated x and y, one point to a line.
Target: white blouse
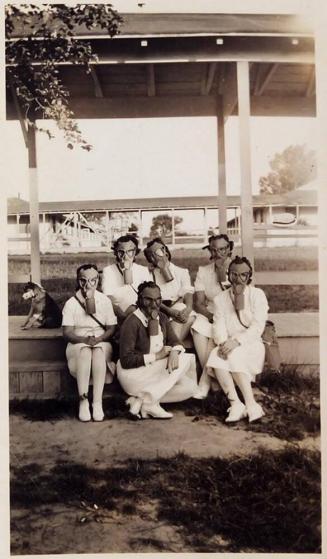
176	288
85	325
113	284
206	280
254	315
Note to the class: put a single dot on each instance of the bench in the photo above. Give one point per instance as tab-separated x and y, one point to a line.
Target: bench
38	369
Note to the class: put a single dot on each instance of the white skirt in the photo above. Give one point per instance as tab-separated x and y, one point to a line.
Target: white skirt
247	358
72	353
202	325
151	382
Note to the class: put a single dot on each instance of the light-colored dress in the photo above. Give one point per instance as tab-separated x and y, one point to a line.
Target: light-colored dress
176	289
248	357
206	280
151	382
84	325
113	284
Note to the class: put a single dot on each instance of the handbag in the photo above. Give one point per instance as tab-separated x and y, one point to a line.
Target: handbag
272	353
269	338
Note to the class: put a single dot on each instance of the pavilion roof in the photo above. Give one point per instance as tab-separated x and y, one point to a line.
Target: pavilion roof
301	197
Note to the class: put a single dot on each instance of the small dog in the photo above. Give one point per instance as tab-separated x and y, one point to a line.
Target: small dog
44	312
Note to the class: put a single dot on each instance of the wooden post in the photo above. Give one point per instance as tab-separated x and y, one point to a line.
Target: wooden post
34	205
205	219
222	198
243	93
173	227
140	229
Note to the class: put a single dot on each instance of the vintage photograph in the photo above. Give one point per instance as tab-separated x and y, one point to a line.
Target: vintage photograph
162	177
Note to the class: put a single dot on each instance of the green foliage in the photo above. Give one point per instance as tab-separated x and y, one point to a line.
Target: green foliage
162	225
38	38
293	167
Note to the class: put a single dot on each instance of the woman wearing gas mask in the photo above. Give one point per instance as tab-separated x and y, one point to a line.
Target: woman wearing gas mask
153	367
240	314
175	286
88	325
121	279
210	281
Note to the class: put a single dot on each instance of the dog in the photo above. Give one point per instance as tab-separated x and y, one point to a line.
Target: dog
44	312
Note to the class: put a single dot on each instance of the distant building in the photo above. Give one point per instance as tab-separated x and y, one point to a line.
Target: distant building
92	225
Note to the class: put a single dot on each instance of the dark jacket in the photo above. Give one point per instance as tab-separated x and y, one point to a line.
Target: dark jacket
135	340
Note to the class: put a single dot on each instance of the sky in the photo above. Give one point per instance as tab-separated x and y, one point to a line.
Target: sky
134	158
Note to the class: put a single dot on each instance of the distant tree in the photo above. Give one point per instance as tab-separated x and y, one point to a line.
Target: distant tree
293	167
162	225
38	37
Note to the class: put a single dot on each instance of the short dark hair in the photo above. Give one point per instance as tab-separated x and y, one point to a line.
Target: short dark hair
82	268
144	285
126	239
151	243
241	260
216	238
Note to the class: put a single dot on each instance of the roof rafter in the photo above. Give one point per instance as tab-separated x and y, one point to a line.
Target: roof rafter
262	81
151	80
311	83
208	78
98	91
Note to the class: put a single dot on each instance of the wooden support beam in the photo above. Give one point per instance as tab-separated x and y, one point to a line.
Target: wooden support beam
34	205
180	105
230	91
221	77
22	120
311	83
208	79
243	92
222	197
151	80
262	82
98	91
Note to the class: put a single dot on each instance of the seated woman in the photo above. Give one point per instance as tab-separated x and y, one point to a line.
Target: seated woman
153	368
121	279
88	324
175	286
240	314
210	280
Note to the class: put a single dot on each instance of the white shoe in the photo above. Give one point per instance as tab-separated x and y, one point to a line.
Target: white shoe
255	412
97	411
135	405
155	411
201	393
84	410
236	412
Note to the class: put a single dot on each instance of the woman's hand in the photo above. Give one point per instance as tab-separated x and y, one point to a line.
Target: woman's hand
163	353
228	346
91	340
173	361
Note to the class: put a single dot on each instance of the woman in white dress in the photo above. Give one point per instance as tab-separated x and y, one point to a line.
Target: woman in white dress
120	280
88	325
210	280
240	314
175	286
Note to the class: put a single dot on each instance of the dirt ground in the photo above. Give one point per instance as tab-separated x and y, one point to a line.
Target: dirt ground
57	528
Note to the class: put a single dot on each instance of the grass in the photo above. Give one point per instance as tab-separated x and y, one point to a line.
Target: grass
290	399
273	259
268	502
281	297
58	275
